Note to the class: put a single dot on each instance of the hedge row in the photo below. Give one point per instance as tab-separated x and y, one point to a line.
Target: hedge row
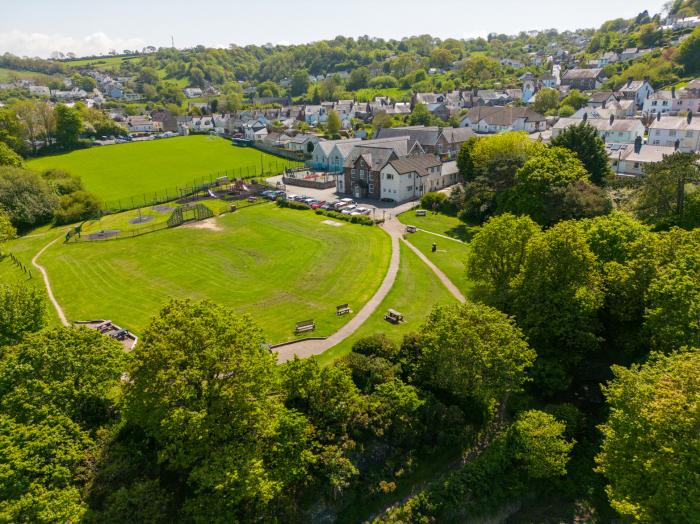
353	219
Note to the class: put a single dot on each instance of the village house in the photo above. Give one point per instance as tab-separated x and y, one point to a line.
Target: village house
361	176
42	91
630	159
583	79
442	142
683	131
489	120
320	158
601	98
142	124
637	90
167	121
407	178
303	143
611	130
192	92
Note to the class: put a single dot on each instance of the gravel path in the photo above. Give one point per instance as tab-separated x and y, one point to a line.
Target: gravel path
47	283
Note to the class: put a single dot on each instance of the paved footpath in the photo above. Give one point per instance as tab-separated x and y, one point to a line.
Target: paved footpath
47	283
395	229
307	348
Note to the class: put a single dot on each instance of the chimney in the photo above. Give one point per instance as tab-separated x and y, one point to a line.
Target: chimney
637	144
629	80
690	116
658	116
612	119
673	92
677	144
604	104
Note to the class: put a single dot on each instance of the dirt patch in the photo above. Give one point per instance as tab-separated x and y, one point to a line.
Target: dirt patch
209	224
162	209
141	220
103	235
332	223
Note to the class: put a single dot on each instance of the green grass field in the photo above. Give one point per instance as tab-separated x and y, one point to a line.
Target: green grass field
131	170
415	292
278	265
103	63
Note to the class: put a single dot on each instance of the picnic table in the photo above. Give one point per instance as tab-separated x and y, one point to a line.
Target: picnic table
411	229
342	309
305	325
393	316
421	212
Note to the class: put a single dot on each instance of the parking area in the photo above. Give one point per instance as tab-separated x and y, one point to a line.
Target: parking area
376	208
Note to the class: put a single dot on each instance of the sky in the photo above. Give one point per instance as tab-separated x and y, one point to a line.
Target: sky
84	27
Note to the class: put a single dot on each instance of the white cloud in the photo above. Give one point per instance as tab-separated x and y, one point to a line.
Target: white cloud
40	44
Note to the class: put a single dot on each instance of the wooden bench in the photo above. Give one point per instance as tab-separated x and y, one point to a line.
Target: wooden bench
421	213
411	229
342	309
305	325
251	199
393	316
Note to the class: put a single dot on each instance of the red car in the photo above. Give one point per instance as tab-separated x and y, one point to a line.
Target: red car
317	204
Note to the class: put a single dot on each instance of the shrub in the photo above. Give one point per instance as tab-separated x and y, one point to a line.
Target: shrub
76	206
291	204
356	219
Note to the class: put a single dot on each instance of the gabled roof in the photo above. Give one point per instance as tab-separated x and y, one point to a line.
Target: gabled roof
572	74
679	123
375	157
503	116
601	96
419	164
425	136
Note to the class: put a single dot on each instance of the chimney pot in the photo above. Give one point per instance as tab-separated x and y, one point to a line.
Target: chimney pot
612	119
585	117
658	116
676	144
690	116
673	92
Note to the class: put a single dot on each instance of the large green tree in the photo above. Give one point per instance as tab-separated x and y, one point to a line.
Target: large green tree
69	125
8	157
22	310
585	142
557	296
689	53
473	353
649	454
203	388
26	197
497	251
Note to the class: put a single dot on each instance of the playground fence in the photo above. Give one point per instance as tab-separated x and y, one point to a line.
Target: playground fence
20	265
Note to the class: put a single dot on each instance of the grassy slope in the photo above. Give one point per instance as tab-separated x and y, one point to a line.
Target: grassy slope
126	170
415	292
279	265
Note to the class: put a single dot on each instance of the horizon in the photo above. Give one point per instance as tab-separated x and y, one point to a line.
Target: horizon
43	27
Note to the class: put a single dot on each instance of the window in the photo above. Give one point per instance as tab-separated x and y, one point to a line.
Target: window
353	172
636	165
371	188
389	176
656	142
689	134
362	173
672	132
409	188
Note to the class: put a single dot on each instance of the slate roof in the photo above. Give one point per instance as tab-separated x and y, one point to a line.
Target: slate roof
582	73
503	116
420	164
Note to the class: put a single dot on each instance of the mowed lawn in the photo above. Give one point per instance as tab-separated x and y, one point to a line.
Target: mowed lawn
130	170
279	265
415	292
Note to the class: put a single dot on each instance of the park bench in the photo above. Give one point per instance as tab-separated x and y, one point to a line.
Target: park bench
305	325
411	229
342	309
393	316
251	199
421	213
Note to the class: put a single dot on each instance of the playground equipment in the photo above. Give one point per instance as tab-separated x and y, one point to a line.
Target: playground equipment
189	213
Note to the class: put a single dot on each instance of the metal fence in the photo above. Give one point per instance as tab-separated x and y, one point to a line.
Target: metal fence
268	167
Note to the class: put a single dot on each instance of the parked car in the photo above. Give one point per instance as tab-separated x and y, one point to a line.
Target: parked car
349	209
362	211
317	204
292	197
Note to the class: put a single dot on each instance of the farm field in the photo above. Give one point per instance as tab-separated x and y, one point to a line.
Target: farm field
278	265
103	63
130	170
415	292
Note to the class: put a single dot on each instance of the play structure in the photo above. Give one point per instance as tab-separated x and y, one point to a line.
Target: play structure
189	213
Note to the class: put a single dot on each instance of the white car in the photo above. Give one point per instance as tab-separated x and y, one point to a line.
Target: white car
362	211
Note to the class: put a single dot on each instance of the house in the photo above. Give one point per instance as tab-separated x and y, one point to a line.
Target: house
671	130
629	54
630	159
254	130
637	90
583	79
320	158
403	179
609	58
601	99
167	121
663	102
142	124
192	92
361	171
489	120
315	114
611	130
622	109
303	143
202	124
42	91
443	142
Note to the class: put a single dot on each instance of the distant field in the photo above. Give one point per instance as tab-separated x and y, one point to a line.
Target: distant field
9	74
280	266
102	63
128	170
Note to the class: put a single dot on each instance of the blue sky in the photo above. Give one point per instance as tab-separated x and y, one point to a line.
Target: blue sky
38	27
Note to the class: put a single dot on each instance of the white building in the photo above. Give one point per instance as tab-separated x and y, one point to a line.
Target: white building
409	178
610	130
630	159
667	130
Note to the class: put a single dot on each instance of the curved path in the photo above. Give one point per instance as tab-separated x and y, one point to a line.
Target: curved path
47	283
307	348
395	229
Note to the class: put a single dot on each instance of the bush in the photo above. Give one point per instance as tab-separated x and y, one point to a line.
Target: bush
76	206
383	82
357	219
292	204
433	201
26	197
